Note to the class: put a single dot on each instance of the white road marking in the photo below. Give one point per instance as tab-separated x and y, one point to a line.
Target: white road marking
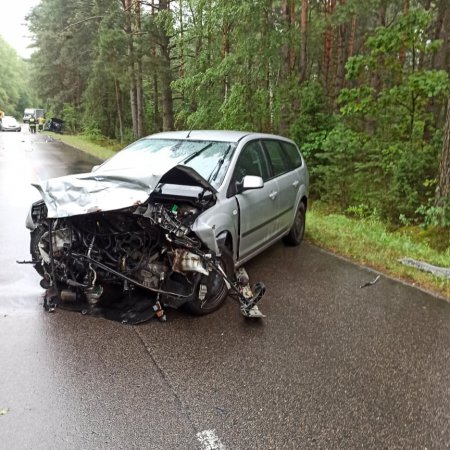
210	440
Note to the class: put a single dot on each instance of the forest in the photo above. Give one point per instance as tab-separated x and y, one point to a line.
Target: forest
361	86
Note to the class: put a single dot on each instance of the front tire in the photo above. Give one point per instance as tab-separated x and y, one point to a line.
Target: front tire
217	290
35	238
296	233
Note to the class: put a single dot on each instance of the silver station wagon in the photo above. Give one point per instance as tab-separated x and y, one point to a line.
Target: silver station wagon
166	222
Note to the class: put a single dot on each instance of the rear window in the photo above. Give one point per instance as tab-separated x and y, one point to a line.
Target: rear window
295	159
277	157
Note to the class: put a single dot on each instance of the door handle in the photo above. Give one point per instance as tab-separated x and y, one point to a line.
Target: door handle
296	183
273	195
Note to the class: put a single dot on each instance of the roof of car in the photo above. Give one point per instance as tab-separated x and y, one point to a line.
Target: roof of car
212	135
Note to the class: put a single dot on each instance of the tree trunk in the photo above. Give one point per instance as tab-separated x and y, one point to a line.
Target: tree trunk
138	74
157	122
375	81
402	55
225	52
441	59
292	27
166	74
351	41
118	106
127	6
285	72
304	42
341	60
328	45
443	190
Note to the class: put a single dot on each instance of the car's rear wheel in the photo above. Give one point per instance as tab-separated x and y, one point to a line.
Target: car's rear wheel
216	288
295	235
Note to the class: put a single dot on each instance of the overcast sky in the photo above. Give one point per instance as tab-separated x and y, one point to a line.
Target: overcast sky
12	24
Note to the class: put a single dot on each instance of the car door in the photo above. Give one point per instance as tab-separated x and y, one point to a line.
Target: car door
288	183
257	211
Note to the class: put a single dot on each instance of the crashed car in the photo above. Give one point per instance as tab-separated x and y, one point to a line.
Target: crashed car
166	222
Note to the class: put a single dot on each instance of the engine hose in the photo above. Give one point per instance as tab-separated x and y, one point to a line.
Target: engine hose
124	277
52	260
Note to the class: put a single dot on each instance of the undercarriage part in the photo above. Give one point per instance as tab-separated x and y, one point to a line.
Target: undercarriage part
51	298
93	294
249	297
249	307
68	296
159	312
133	281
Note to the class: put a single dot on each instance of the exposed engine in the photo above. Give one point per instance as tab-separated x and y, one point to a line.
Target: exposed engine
97	262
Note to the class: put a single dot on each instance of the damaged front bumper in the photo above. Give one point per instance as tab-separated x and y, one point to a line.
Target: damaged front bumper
129	265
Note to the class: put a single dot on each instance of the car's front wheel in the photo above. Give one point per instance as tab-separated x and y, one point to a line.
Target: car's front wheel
295	235
216	288
35	238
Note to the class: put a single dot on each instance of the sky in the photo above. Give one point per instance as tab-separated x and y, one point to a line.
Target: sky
12	24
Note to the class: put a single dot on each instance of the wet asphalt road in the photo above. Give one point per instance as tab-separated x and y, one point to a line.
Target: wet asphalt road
332	365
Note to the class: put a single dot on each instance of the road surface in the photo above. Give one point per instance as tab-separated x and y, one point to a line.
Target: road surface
332	366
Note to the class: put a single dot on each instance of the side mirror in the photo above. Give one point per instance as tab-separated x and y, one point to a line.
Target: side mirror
95	168
249	182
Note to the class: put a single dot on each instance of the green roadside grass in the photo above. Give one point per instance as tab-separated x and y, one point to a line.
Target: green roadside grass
365	241
371	243
101	149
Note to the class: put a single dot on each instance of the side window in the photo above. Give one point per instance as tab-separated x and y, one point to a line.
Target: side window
277	157
251	162
295	159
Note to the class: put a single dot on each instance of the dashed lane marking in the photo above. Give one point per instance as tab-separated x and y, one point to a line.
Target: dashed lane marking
210	440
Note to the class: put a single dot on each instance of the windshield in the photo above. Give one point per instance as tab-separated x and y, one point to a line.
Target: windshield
209	158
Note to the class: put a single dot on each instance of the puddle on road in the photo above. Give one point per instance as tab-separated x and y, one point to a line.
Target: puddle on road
23	305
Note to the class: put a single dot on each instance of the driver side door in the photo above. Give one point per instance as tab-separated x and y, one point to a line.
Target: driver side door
257	207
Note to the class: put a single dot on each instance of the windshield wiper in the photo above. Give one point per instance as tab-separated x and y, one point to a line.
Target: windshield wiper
195	154
219	164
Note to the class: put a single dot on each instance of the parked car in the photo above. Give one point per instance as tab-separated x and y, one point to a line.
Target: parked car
168	218
9	123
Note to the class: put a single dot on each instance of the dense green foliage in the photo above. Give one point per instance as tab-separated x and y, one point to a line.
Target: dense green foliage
362	87
15	91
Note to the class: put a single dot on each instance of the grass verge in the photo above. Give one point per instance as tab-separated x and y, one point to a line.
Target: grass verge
100	149
371	243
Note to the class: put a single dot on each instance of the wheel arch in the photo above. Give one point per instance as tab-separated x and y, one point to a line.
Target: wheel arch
225	239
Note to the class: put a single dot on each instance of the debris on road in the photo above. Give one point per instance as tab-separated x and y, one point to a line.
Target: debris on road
421	265
370	283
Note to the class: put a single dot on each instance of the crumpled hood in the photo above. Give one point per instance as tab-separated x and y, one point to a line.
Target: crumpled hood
97	191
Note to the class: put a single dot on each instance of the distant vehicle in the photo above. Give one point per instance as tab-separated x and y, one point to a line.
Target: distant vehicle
32	112
9	123
54	124
27	114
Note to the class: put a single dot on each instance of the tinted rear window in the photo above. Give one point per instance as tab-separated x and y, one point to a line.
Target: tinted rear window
295	159
277	157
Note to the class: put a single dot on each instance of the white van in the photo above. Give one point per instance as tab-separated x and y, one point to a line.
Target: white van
32	112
